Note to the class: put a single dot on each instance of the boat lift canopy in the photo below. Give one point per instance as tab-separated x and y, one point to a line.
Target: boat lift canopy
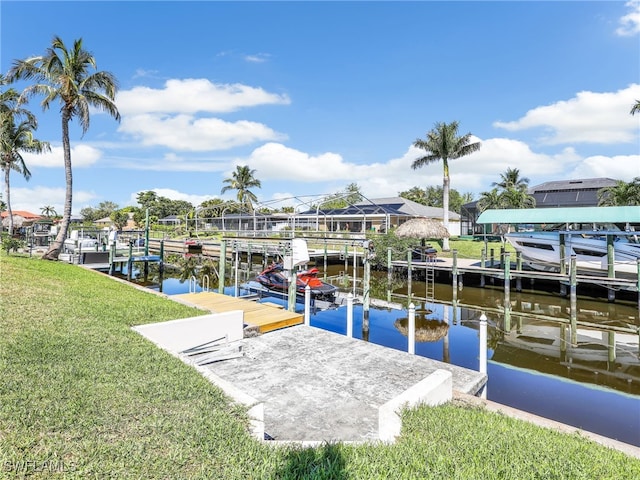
562	215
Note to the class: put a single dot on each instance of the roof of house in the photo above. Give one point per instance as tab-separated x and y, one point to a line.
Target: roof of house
388	205
572	185
21	213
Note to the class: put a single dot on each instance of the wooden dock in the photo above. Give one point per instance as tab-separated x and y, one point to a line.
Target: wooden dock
265	316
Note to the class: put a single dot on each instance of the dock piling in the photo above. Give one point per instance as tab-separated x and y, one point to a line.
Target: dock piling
350	316
411	333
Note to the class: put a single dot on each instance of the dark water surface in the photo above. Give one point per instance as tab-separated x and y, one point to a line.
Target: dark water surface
533	365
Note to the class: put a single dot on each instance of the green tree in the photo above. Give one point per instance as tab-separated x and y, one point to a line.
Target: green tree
66	75
513	197
416	194
242	180
342	199
119	218
511	179
635	108
443	143
490	200
432	197
16	137
621	194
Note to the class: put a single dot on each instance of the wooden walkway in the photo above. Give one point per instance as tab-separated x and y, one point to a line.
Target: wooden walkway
265	316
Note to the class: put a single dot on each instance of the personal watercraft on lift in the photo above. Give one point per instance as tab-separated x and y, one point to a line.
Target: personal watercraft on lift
274	278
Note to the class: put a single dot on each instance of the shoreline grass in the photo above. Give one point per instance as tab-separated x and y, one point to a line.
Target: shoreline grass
83	393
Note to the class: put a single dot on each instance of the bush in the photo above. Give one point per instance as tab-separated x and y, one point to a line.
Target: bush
11	244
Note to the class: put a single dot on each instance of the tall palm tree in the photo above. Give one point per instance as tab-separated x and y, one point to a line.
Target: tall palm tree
67	75
621	194
15	140
511	179
16	136
242	180
636	108
443	143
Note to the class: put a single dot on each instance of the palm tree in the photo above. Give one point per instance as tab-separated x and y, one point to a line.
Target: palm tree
443	143
48	211
511	179
490	200
66	75
636	108
621	194
242	180
16	137
513	197
15	140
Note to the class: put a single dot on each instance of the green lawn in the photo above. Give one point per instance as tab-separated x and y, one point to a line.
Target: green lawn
83	396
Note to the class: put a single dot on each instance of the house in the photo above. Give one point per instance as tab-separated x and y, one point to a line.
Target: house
554	194
378	214
20	218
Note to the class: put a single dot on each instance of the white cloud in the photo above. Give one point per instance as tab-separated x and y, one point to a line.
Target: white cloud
81	156
589	117
619	167
33	199
187	133
194	95
171	194
630	23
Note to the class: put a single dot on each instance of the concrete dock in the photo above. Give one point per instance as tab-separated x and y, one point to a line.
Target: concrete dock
316	385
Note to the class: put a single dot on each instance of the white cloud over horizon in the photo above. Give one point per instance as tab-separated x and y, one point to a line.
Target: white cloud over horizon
589	117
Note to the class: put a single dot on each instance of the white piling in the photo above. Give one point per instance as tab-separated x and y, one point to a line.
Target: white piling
307	305
483	349
412	329
350	315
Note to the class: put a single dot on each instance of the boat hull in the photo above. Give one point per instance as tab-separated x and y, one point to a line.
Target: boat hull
541	251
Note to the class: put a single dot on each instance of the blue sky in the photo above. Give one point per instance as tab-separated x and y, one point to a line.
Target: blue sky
317	95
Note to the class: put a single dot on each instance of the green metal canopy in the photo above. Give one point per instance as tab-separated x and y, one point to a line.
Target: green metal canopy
562	215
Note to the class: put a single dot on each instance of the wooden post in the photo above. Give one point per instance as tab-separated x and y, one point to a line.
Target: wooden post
519	269
454	269
222	264
325	258
293	280
501	257
346	258
355	269
483	261
612	348
130	261
350	316
409	266
366	286
573	302
161	264
492	257
411	329
611	272
389	266
307	305
482	367
563	259
112	257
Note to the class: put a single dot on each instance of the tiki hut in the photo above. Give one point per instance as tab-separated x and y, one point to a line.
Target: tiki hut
422	228
427	329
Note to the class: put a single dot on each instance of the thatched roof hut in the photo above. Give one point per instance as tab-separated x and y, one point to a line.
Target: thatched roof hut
18	221
422	228
427	329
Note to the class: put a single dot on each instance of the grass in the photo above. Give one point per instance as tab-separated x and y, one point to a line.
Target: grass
85	396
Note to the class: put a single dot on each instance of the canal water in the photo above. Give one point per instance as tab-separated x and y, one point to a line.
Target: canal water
591	381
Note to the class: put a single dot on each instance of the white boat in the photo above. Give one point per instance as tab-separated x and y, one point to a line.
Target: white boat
541	250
